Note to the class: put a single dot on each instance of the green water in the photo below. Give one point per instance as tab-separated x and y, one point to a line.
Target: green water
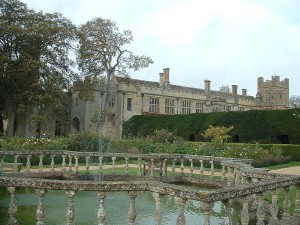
116	206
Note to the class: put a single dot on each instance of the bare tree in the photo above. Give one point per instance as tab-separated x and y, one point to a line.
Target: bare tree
103	52
294	101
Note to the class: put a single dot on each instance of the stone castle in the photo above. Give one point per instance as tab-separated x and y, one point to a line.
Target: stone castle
131	97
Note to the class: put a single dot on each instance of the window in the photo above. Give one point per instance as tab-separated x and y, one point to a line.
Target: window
269	98
129	102
169	106
199	107
228	108
154	105
186	107
111	101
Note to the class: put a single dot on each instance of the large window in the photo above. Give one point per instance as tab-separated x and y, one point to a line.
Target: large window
129	104
154	105
186	107
169	106
269	97
199	107
112	101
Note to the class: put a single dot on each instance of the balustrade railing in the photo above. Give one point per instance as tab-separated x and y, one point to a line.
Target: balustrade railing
229	180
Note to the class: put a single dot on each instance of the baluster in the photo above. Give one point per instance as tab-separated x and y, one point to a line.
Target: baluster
237	176
212	170
164	168
63	164
16	163
274	208
70	163
230	177
207	206
70	215
1	165
201	168
151	167
113	165
28	165
76	164
182	166
40	213
181	203
158	215
287	204
132	212
41	163
245	211
126	165
52	170
260	212
100	165
12	210
192	167
174	167
101	212
297	209
223	173
139	167
87	164
228	207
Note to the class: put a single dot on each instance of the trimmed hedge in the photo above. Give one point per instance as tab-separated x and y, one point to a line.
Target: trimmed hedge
263	126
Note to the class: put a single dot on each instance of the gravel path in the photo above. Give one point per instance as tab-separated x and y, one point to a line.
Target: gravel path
291	170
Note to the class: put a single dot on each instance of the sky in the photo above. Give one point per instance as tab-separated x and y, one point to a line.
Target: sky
229	42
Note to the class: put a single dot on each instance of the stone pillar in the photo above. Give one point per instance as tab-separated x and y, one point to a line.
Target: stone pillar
132	212
70	215
87	164
158	215
182	167
52	170
223	173
101	212
40	213
201	168
207	206
260	212
28	165
41	163
228	207
113	165
76	164
63	164
16	163
100	164
1	165
139	167
181	203
126	165
12	210
192	167
173	167
164	168
238	176
230	177
245	211
151	167
212	170
274	208
70	163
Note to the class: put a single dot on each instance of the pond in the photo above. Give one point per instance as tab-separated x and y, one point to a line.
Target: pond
116	206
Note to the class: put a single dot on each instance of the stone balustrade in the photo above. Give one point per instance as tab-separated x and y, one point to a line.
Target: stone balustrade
228	180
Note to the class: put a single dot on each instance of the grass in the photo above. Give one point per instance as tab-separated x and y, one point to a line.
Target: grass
287	165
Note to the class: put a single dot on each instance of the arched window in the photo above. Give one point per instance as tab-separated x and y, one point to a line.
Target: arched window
76	124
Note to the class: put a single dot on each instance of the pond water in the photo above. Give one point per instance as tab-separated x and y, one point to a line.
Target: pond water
116	206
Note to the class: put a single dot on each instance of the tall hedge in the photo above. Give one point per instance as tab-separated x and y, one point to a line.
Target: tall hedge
264	126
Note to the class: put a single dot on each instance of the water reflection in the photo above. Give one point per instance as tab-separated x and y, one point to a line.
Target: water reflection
116	207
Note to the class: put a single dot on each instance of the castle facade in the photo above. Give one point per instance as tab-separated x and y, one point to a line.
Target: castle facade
131	97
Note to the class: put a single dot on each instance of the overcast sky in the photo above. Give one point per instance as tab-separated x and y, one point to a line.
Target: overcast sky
225	41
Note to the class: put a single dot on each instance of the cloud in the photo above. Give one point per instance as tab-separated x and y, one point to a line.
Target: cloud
183	21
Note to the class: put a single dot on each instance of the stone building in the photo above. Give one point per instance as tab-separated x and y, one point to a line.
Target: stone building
131	97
